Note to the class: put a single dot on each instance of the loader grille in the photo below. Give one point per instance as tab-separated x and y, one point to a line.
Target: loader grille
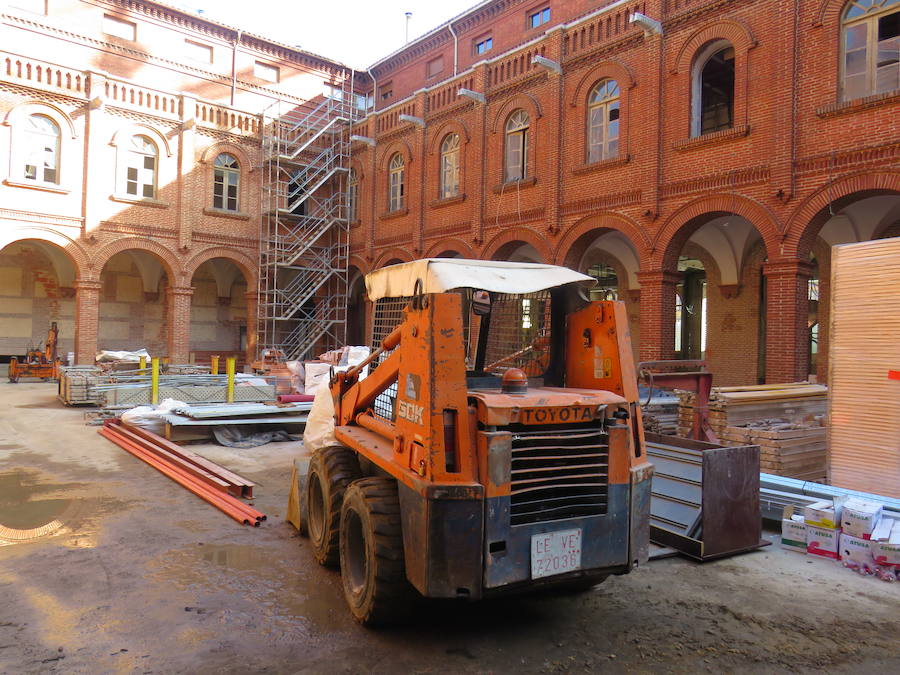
559	473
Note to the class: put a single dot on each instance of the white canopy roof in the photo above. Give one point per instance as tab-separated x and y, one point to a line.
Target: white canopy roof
440	275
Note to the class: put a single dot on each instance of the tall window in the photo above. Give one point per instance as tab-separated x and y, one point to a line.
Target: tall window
603	121
352	196
140	168
42	149
515	156
539	18
450	166
713	89
871	47
226	182
397	183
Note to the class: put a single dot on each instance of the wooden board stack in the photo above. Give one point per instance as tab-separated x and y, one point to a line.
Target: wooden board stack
785	420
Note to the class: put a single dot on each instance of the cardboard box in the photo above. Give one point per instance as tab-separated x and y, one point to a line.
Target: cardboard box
859	517
887	550
793	530
856	549
823	541
824	514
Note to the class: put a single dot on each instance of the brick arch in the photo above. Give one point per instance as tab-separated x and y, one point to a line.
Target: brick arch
392	149
685	221
808	218
171	263
523	234
612	69
359	263
607	220
525	101
390	254
139	129
242	261
21	110
212	151
78	256
736	32
830	11
356	166
450	126
457	245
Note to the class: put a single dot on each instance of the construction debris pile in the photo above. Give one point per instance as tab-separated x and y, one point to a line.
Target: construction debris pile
851	530
785	420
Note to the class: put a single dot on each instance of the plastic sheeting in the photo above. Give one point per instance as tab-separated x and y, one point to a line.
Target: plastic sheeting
236	436
440	275
319	431
106	355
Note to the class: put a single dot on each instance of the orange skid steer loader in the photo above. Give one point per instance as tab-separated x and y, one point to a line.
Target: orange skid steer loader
495	446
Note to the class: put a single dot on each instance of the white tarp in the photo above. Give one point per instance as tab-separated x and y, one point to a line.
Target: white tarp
440	275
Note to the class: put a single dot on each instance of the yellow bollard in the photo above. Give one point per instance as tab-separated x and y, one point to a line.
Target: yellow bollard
214	365
143	364
229	370
154	380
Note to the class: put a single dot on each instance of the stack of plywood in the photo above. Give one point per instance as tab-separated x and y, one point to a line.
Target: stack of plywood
75	385
864	406
785	449
794	403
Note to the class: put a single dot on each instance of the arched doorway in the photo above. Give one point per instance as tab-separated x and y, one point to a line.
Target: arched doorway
134	303
37	287
357	308
517	251
218	311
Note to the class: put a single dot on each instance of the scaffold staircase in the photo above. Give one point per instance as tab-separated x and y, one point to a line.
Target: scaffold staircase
304	247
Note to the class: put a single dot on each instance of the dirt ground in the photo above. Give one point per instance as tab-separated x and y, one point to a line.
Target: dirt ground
129	573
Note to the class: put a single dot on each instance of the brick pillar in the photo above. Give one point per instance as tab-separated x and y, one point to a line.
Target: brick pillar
251	302
87	320
179	319
657	323
787	307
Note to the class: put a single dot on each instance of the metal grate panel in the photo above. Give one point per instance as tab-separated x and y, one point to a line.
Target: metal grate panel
559	473
519	334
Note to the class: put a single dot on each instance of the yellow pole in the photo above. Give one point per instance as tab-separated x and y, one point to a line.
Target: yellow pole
154	380
229	370
214	365
143	365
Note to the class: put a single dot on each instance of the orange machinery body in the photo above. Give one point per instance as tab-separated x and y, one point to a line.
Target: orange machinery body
38	363
466	477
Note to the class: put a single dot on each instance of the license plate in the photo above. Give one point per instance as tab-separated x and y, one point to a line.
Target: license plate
555	553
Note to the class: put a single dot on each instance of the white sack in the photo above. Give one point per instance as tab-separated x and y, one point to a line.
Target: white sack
319	431
111	355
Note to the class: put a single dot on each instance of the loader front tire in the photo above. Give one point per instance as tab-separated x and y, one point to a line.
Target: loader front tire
372	564
331	470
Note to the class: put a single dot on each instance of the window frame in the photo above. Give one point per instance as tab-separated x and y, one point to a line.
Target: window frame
396	183
30	136
483	40
449	169
542	15
226	172
870	18
190	51
437	61
511	130
113	20
130	153
605	103
352	196
262	66
701	60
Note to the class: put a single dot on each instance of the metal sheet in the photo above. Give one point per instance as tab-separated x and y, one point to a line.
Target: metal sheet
181	421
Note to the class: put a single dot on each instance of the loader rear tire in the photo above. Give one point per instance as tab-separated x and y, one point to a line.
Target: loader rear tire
331	470
373	571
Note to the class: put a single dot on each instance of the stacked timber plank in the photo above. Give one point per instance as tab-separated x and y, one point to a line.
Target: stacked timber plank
76	385
785	420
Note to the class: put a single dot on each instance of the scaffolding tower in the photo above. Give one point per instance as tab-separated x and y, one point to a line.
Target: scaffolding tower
304	237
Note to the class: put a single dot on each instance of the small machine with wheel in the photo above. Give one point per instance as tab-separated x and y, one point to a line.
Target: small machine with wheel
496	446
38	363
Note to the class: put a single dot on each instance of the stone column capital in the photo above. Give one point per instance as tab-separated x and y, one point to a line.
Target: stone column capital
788	268
88	284
658	277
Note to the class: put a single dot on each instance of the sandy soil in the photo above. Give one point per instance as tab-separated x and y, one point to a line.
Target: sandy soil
133	574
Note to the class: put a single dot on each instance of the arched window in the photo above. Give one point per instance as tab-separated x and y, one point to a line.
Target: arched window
226	182
140	168
397	183
41	149
871	48
713	89
603	121
515	155
450	166
352	196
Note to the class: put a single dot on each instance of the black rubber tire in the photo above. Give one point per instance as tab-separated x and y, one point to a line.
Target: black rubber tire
331	470
373	571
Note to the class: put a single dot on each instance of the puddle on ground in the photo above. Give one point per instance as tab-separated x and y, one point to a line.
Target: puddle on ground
278	597
33	507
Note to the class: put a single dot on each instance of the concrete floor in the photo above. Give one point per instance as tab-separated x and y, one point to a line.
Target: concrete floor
133	574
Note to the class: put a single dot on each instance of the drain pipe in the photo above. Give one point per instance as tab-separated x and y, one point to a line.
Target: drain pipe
374	89
234	47
455	49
